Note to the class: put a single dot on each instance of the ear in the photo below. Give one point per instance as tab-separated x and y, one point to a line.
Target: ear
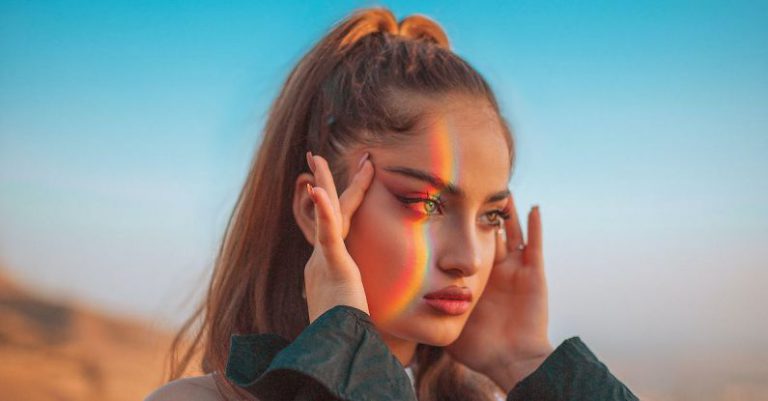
304	207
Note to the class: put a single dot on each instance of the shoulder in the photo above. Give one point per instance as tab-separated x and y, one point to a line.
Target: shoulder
197	388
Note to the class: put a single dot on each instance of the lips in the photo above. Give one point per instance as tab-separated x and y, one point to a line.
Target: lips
452	292
452	300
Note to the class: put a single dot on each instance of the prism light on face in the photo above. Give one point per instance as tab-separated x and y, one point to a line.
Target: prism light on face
420	241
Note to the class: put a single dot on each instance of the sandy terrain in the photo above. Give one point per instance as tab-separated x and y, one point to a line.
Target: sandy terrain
56	351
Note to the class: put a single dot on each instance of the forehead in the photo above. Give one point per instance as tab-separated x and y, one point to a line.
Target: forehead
459	139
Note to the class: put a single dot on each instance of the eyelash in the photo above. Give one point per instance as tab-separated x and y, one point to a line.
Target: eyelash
502	213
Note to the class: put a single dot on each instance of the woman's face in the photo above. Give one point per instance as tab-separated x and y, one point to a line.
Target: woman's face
413	235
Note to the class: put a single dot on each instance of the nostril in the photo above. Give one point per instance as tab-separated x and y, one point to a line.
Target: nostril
460	270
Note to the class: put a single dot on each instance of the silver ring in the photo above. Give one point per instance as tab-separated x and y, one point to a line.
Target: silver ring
520	246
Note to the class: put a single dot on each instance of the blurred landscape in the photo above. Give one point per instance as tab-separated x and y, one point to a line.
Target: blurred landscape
127	130
52	350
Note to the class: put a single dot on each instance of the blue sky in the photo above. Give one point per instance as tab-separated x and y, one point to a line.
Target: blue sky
126	130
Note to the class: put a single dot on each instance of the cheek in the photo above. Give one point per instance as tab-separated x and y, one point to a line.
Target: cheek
489	244
383	248
488	254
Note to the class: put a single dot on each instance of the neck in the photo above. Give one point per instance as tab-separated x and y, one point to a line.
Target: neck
403	350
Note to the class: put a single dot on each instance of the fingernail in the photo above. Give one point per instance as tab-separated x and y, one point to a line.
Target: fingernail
311	191
310	162
362	160
535	207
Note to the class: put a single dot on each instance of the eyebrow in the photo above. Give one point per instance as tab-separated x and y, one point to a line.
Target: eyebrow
440	184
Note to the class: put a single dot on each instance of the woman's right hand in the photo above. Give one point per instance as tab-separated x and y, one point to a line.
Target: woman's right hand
331	277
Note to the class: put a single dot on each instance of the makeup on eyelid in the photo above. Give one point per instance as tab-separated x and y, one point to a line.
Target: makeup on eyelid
431	203
431	183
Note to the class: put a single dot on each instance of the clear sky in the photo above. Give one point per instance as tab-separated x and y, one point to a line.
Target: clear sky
127	127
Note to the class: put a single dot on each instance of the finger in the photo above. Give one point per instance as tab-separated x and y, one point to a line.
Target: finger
326	225
533	249
324	179
353	196
512	227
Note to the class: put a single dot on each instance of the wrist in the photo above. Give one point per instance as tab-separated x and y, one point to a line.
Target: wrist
511	370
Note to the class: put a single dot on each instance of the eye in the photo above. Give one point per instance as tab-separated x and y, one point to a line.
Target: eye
430	204
496	217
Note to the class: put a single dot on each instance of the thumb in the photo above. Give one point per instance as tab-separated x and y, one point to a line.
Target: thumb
353	196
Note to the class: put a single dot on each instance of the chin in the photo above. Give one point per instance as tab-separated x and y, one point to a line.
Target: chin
424	327
440	338
443	342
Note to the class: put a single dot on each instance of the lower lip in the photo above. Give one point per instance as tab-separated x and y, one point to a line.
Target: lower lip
449	306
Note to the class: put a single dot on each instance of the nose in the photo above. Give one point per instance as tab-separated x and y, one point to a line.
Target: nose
459	251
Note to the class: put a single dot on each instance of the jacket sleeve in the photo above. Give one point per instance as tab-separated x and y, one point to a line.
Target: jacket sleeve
339	356
571	372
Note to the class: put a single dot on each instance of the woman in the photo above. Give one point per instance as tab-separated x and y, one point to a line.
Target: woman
375	252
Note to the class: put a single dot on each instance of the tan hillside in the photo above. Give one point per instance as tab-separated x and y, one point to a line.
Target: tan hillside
58	351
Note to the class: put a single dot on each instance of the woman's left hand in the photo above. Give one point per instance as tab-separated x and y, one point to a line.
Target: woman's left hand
505	337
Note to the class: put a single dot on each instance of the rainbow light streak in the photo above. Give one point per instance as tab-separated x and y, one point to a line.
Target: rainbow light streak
419	252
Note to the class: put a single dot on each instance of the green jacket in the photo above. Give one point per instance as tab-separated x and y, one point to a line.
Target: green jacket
340	356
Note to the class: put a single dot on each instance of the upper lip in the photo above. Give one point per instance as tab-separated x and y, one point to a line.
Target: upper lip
451	292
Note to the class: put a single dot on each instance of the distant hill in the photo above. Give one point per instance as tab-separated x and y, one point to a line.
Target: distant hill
54	350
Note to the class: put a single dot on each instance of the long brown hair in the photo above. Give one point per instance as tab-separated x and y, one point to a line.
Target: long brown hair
343	92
